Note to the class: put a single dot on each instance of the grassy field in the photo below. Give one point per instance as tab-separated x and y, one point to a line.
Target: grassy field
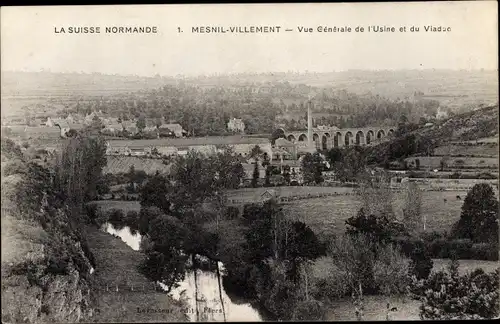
466	265
375	309
487	150
287	191
328	215
455	162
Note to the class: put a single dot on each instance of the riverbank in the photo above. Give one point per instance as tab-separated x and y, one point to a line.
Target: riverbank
116	264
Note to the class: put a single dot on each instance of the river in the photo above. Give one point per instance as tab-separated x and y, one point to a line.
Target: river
209	304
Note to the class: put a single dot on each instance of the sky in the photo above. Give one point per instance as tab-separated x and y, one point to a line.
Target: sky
29	42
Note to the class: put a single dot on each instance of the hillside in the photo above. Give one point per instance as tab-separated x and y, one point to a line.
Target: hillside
469	126
463	135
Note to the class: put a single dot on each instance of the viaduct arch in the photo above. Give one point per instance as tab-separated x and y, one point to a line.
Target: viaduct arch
334	137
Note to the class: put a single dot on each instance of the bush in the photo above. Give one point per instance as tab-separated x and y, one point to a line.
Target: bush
461	249
484	251
447	295
421	263
116	217
132	220
390	271
14	167
331	288
231	212
92	211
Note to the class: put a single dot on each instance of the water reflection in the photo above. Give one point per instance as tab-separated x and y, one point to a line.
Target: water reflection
209	306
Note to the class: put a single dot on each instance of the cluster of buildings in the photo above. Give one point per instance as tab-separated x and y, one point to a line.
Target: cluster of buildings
114	125
169	147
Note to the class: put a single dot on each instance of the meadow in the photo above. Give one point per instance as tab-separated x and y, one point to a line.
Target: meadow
252	194
486	150
327	216
456	162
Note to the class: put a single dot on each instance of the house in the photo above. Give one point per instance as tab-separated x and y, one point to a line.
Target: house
114	128
175	128
236	125
268	194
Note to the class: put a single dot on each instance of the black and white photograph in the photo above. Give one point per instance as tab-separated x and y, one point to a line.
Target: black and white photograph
250	162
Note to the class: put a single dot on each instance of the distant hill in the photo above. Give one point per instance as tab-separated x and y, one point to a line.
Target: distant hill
456	89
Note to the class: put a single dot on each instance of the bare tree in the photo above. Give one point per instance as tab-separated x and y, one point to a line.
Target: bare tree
376	198
412	208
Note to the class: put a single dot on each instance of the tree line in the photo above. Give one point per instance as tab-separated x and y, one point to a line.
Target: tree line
206	111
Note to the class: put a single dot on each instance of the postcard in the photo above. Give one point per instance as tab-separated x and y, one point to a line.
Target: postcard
249	162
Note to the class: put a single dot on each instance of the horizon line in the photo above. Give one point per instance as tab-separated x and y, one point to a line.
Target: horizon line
219	74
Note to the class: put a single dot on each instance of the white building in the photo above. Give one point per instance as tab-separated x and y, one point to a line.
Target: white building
236	125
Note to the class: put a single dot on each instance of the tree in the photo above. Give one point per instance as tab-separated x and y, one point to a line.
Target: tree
376	198
286	174
479	217
277	133
96	123
255	174
312	168
421	263
141	123
265	160
256	152
154	193
352	165
267	180
412	208
71	133
196	179
448	295
165	261
417	164
334	155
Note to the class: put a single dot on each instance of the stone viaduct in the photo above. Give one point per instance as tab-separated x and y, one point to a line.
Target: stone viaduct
326	138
